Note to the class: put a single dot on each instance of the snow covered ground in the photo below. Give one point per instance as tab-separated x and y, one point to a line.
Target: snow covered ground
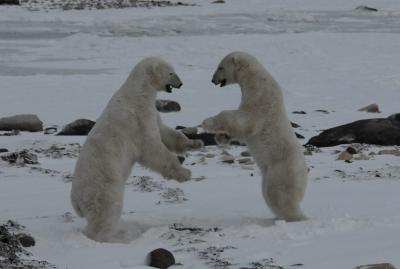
65	65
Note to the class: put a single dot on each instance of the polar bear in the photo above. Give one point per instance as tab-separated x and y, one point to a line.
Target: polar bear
262	123
128	131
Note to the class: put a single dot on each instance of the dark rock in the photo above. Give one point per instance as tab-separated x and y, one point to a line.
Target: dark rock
9	2
161	258
179	127
299	112
351	150
377	266
26	240
207	138
218	2
2	150
22	157
181	159
24	122
299	135
380	131
294	125
366	8
78	127
322	111
372	108
167	106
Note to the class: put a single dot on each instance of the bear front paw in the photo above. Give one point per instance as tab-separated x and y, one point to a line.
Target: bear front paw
208	125
183	175
196	144
222	138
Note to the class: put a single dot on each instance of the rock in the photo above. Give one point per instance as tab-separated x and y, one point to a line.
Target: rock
9	2
299	136
245	153
22	157
379	131
372	108
207	138
161	258
26	240
366	8
376	266
246	161
166	106
23	122
2	150
181	159
394	152
294	125
218	2
228	159
210	155
299	112
78	127
50	130
351	150
322	111
190	130
345	156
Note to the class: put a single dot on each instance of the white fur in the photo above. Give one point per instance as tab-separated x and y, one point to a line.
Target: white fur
128	131
262	123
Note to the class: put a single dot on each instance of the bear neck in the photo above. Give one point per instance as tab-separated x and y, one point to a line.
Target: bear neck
139	86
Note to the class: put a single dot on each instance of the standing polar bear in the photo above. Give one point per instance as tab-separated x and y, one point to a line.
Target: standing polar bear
128	131
261	122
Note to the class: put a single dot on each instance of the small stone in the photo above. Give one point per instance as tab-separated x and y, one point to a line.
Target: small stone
210	155
299	136
166	106
372	108
218	2
190	131
161	258
394	152
299	112
366	8
78	127
351	150
246	161
345	156
50	130
9	2
2	150
322	111
377	266
26	240
228	159
181	159
245	153
294	125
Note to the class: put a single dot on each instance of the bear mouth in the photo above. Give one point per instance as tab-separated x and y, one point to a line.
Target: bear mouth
168	88
223	83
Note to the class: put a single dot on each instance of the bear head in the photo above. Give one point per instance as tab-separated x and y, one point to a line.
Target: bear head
232	68
161	74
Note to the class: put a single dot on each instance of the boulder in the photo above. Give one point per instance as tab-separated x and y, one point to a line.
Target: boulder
379	131
377	266
9	2
166	106
78	127
372	108
161	258
23	122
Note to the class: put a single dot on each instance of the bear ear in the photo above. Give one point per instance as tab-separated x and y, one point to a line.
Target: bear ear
239	63
235	60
